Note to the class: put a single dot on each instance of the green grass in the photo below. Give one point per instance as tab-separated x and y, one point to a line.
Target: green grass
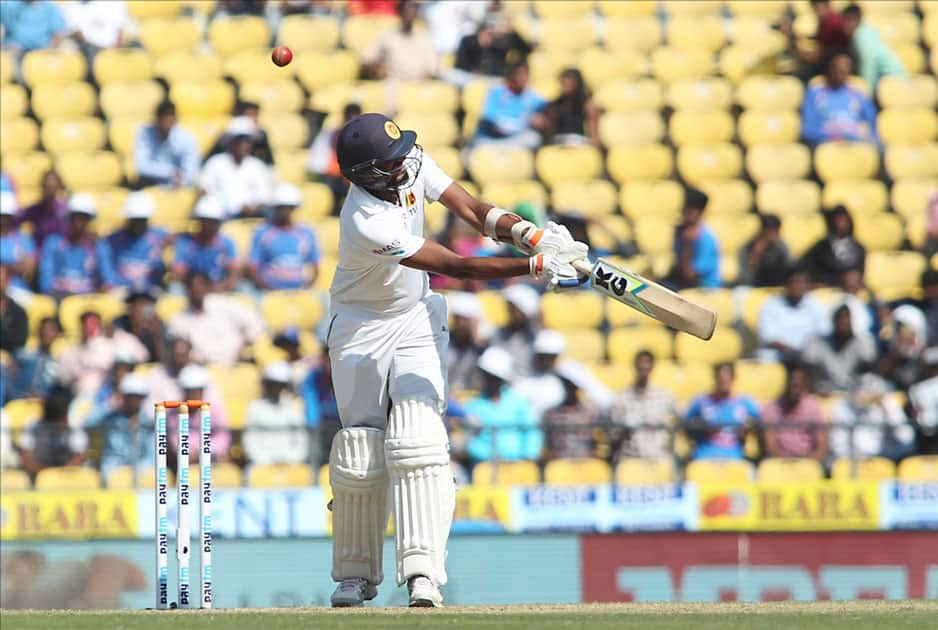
767	616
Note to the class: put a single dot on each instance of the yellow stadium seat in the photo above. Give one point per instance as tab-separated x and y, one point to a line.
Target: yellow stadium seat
548	63
916	92
786	197
521	473
282	309
672	64
25	169
691	8
654	236
440	128
332	99
907	125
600	66
630	128
608	231
108	305
641	33
865	468
89	171
203	99
37	308
719	471
766	162
789	470
428	97
700	94
629	96
182	66
254	66
226	475
229	35
704	162
19	413
915	231
893	270
845	160
879	232
280	476
911	57
7	70
766	127
772	93
691	126
137	99
573	34
510	194
625	343
283	96
13	101
896	28
360	30
684	380
556	163
634	471
494	308
205	130
719	300
597	197
919	468
564	10
144	9
239	381
730	196
317	203
763	381
68	478
495	164
53	67
903	160
860	196
168	305
19	134
12	479
930	30
697	32
739	61
586	345
733	231
473	96
909	196
752	303
726	345
576	309
304	33
328	232
627	163
62	135
933	60
160	36
757	32
577	471
122	478
874	8
122	65
663	199
803	232
448	159
618	9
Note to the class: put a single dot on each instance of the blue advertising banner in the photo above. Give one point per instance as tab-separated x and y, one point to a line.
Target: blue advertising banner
905	505
653	508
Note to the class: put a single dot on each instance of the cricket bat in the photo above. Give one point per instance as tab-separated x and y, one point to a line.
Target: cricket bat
649	297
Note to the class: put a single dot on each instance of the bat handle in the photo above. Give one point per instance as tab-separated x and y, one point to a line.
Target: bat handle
583	265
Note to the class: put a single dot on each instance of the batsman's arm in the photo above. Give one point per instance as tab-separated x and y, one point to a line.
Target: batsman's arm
435	258
474	212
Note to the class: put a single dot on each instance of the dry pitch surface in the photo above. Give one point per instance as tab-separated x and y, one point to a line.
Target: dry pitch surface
860	615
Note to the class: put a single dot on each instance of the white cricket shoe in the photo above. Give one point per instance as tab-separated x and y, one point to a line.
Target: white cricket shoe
424	593
353	592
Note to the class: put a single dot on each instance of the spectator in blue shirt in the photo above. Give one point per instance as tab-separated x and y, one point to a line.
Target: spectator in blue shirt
164	153
36	371
836	111
696	251
206	251
513	114
322	411
506	425
78	262
284	255
31	25
138	247
17	249
789	321
126	432
719	422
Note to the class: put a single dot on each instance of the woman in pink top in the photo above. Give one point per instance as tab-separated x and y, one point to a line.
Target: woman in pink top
798	420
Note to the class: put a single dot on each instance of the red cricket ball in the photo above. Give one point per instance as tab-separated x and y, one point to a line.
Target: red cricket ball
281	55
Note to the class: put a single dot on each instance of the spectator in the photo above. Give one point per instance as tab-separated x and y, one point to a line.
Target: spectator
52	442
855	296
284	255
696	250
837	360
85	365
275	429
488	52
163	380
794	425
36	371
871	423
764	260
465	342
448	22
876	59
323	165
513	114
195	384
720	421
371	7
463	239
929	305
834	110
643	414
108	394
504	421
31	25
207	251
17	249
97	25
922	405
905	342
787	322
524	320
569	427
573	117
931	225
48	215
141	321
78	261
126	429
839	251
14	326
165	154
138	247
322	412
251	112
406	54
544	389
217	327
241	182
829	37
296	356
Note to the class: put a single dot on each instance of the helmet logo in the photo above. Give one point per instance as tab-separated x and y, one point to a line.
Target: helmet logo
392	130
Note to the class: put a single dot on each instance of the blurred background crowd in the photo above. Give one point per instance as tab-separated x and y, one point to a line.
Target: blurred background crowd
168	230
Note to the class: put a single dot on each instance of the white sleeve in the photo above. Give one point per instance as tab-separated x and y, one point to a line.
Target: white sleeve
207	178
384	236
434	179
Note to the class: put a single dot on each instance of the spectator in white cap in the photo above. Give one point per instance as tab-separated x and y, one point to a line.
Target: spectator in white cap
275	431
905	331
465	339
284	254
505	425
543	389
871	423
138	247
195	383
125	429
524	320
569	429
207	250
17	248
78	261
243	183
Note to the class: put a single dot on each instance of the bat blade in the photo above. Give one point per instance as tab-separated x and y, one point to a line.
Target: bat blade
650	298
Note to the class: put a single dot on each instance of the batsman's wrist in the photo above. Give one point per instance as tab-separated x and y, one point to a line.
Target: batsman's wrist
525	235
536	265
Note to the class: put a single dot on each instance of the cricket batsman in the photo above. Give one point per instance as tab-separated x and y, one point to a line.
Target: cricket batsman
387	342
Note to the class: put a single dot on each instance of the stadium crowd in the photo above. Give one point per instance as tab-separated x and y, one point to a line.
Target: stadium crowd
168	231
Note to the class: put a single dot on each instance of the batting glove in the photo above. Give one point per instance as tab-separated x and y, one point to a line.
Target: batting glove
556	267
533	240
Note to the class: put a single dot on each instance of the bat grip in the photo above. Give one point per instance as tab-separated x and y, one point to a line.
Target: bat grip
583	266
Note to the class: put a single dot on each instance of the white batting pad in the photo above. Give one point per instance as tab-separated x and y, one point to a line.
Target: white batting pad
360	503
423	493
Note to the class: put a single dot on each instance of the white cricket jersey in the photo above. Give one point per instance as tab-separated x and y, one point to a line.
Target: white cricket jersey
374	237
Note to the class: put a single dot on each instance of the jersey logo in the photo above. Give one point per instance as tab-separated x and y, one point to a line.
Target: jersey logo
391	249
392	130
